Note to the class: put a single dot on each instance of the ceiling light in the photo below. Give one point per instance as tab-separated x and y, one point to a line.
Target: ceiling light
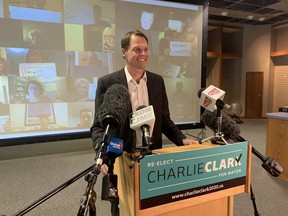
250	17
261	19
224	13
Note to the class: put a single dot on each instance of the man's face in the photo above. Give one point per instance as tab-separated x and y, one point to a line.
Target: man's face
137	54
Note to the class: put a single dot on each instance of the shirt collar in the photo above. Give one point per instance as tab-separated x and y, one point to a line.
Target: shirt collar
129	77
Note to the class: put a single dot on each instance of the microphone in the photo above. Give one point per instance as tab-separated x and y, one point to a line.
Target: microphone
272	166
112	114
211	97
229	127
143	120
232	133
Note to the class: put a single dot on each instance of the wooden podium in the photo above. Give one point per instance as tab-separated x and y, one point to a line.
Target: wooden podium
218	200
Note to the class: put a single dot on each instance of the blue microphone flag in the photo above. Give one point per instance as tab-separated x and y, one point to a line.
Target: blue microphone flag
115	146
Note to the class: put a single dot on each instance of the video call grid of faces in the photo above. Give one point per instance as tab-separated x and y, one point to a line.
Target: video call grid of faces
52	53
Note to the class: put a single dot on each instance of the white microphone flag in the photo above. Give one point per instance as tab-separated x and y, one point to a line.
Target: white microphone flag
209	97
144	116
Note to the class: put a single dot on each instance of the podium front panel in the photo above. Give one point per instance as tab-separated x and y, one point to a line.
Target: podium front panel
167	178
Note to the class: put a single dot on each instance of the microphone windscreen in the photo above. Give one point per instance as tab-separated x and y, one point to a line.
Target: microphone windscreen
229	127
115	107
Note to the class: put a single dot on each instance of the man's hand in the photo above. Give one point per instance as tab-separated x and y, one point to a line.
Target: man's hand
104	169
188	141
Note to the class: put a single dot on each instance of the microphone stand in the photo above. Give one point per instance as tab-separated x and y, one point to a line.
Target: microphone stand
252	196
88	200
142	150
53	192
218	135
272	167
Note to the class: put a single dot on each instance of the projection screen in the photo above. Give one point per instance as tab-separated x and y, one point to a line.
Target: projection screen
52	53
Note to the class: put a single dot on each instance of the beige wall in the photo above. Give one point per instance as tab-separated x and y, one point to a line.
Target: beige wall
256	57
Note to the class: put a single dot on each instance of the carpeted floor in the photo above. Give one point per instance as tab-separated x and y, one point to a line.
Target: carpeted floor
25	180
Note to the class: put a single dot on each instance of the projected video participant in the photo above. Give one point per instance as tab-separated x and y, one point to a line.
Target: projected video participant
108	40
97	12
181	103
187	70
39	62
35	93
94	33
43	35
93	59
80	88
35	38
86	118
164	42
144	18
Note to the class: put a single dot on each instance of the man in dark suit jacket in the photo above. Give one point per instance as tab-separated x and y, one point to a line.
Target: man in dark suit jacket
135	51
150	90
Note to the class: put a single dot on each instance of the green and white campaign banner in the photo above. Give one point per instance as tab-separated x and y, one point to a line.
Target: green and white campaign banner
176	176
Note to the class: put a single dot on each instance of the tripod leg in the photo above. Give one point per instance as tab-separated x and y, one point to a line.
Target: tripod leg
202	134
92	212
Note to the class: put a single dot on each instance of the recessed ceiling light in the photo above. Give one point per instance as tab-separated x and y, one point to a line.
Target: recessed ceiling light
224	13
261	19
250	17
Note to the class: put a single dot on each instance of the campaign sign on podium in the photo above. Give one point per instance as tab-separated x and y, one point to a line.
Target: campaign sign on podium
166	178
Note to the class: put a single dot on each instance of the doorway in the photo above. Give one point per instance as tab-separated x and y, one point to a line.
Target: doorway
254	94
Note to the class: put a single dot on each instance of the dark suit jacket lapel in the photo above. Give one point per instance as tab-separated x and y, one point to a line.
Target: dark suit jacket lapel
122	77
153	91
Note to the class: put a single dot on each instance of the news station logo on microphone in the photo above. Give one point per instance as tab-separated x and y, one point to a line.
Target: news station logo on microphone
144	116
209	97
115	146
